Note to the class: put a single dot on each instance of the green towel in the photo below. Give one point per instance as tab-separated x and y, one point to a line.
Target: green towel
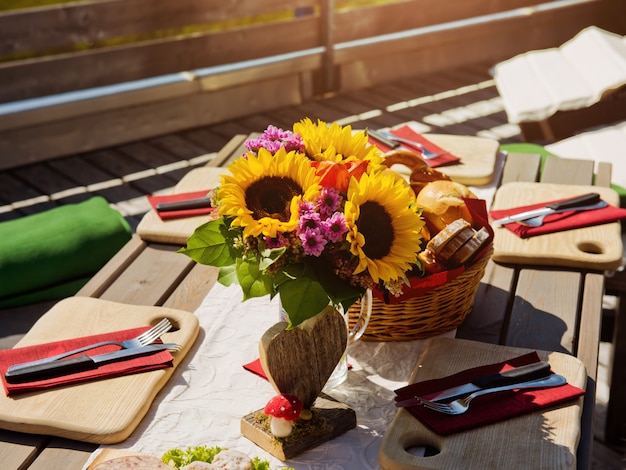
539	150
50	255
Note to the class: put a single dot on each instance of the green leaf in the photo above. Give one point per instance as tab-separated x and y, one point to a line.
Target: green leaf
228	275
339	290
269	257
302	299
253	282
211	244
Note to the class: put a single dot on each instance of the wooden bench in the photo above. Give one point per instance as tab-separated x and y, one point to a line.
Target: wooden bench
508	301
515	296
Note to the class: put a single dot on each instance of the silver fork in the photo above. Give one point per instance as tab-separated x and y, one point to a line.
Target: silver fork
538	221
461	405
143	339
427	154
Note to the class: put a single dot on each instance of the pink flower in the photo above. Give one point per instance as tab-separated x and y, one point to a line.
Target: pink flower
335	227
313	242
277	242
309	221
273	138
329	201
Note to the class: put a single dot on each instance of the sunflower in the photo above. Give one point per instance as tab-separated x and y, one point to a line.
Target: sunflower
335	143
263	191
384	228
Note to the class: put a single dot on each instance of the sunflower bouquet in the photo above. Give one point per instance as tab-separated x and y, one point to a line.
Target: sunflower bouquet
313	215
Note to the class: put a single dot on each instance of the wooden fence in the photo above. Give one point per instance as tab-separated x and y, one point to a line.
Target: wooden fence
163	66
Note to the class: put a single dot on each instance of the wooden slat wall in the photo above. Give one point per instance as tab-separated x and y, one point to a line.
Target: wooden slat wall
76	25
492	41
48	29
197	98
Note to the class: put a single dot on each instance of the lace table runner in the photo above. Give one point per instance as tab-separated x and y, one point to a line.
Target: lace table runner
210	392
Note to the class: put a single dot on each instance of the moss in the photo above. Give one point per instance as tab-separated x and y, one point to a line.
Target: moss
310	427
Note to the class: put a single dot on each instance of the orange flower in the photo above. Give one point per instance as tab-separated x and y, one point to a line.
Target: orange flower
337	174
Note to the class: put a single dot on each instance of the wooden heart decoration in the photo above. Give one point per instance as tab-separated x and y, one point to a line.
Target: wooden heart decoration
300	361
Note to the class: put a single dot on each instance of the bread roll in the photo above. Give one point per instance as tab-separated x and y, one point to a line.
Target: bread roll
137	462
403	157
429	262
421	173
442	203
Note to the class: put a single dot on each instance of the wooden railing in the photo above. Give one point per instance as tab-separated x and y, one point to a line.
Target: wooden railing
163	66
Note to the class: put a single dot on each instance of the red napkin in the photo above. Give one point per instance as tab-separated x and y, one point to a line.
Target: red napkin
406	132
256	368
169	215
559	222
487	409
9	357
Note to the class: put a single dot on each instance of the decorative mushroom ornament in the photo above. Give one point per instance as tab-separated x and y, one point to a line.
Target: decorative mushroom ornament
283	411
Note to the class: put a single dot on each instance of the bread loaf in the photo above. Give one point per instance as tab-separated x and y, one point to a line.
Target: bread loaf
442	203
438	245
471	248
457	244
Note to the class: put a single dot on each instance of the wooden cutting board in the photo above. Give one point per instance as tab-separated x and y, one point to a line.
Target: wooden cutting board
539	440
151	228
597	248
102	411
478	157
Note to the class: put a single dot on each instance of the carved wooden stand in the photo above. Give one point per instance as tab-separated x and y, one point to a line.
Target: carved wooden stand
299	362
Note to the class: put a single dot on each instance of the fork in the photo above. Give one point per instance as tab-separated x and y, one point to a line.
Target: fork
144	339
461	405
427	154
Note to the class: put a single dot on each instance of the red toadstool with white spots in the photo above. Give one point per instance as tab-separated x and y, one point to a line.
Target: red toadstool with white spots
283	410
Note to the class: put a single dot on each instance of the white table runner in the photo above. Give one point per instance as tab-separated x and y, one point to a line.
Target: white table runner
210	391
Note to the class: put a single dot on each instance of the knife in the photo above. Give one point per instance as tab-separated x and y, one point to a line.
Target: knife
78	364
567	204
197	203
536	370
383	140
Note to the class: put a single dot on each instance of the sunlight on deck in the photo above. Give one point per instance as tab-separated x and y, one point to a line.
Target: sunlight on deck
475	109
129	207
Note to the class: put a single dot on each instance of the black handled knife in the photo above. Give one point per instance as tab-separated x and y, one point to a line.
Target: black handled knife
81	363
578	202
197	203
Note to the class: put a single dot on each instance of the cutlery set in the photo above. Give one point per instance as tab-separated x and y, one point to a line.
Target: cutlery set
393	141
536	375
534	218
56	366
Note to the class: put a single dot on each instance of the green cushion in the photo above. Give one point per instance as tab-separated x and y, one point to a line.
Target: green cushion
539	150
50	255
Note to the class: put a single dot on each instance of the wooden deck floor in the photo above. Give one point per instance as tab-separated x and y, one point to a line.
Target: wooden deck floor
463	102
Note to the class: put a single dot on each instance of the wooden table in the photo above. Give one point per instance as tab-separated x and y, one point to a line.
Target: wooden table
509	301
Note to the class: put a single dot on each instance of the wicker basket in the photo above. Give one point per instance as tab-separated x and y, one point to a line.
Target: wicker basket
438	311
